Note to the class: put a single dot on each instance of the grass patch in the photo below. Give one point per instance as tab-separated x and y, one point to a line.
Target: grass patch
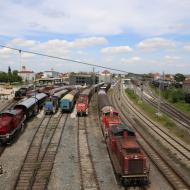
164	120
181	105
184	107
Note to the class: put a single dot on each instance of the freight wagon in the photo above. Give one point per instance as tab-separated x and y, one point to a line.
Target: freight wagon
68	101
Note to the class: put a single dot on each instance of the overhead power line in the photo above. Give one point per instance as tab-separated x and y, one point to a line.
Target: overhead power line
63	59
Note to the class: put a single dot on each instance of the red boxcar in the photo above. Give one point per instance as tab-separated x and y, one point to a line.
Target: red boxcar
129	161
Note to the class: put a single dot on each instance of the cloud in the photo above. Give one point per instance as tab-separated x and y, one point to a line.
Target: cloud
187	47
73	49
5	51
134	59
156	43
116	50
22	42
85	17
171	58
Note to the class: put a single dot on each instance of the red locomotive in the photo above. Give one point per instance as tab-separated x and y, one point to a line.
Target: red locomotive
11	121
129	161
83	101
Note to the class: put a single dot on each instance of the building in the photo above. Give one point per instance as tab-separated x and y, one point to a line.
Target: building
50	74
168	77
105	76
156	76
186	86
26	75
83	79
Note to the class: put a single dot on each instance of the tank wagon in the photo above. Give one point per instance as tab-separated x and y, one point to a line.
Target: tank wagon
52	103
129	161
68	101
12	121
106	86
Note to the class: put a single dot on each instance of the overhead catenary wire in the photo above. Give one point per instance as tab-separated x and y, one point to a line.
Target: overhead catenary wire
63	59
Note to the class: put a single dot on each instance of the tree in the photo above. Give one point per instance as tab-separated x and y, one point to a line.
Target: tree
179	77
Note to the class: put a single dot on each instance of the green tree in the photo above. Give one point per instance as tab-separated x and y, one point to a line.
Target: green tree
179	77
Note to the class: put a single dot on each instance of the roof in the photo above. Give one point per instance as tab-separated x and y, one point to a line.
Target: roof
86	91
25	72
186	81
109	109
120	128
60	93
11	112
39	96
27	103
129	143
68	97
105	72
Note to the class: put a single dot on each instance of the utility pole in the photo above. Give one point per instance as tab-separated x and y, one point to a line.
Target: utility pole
159	98
20	53
93	82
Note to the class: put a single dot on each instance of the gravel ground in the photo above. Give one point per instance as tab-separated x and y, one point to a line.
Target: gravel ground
13	156
158	182
100	156
65	174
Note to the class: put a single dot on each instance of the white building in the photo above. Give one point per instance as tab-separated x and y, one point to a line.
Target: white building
50	74
105	76
26	75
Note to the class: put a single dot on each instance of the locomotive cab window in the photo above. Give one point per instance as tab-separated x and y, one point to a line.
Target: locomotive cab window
133	150
115	114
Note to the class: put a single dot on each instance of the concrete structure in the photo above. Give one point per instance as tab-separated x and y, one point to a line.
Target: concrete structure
82	79
50	81
105	76
186	86
50	74
26	75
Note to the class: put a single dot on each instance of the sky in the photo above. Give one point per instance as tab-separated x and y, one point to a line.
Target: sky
139	36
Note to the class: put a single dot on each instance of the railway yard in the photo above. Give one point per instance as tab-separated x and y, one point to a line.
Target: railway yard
77	147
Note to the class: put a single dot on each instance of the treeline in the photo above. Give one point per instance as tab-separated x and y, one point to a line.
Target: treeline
173	94
10	77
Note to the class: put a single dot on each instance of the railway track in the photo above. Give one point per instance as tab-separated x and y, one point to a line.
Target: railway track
88	175
172	176
179	148
9	104
182	119
38	163
170	111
